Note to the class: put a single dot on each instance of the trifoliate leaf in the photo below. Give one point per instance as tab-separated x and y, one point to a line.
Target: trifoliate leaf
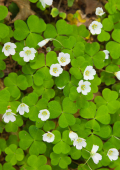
14	154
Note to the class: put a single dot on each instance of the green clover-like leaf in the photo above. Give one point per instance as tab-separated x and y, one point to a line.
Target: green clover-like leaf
14	154
32	140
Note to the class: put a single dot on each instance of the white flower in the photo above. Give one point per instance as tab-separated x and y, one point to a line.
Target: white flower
95	156
9	116
79	143
27	54
46	2
89	73
23	108
9	48
61	87
113	154
44	42
84	87
64	59
73	135
48	137
117	74
44	114
55	70
99	11
95	27
106	54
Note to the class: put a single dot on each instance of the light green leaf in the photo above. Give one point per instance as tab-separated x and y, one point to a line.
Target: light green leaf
116	129
54	12
51	58
4	30
102	115
94	140
66	120
61	147
93	124
55	109
14	154
69	106
3	12
63	28
21	30
88	112
75	153
35	24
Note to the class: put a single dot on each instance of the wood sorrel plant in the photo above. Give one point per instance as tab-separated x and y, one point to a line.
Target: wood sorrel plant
52	112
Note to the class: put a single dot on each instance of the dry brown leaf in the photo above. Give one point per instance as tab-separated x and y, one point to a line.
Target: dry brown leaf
2	2
91	6
77	21
24	9
95	95
8	17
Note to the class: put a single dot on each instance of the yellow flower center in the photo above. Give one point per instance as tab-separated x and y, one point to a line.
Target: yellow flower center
49	135
94	26
92	153
46	41
8	113
22	105
87	73
7	47
83	87
28	52
44	113
110	152
100	11
115	73
79	140
63	59
55	70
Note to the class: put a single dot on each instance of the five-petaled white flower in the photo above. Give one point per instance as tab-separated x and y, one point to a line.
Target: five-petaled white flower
48	137
79	143
95	27
61	87
55	70
106	54
73	135
9	116
23	108
44	114
89	73
27	54
9	48
44	42
99	11
95	156
64	59
113	154
46	2
117	74
84	87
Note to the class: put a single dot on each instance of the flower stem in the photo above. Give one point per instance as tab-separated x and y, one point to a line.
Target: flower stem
89	166
116	137
87	160
57	41
106	71
86	150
